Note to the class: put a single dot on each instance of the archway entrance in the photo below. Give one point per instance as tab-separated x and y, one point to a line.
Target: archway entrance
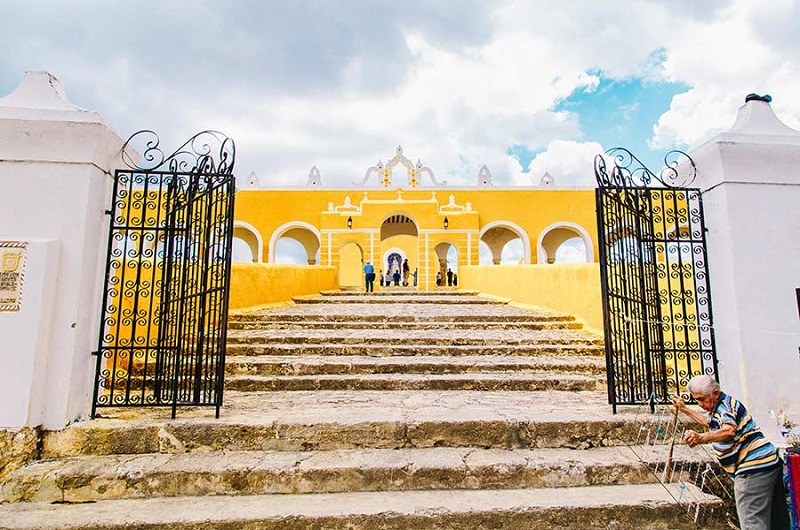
400	241
351	264
306	249
506	242
447	271
392	263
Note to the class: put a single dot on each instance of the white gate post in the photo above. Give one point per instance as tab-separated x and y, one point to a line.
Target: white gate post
56	162
750	177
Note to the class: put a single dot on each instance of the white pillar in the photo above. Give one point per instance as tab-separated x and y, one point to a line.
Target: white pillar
56	161
750	177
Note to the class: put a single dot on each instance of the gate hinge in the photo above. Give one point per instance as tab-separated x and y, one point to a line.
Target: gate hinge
108	212
95	353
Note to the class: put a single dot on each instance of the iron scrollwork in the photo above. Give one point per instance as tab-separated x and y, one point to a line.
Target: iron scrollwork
627	171
165	301
207	152
654	276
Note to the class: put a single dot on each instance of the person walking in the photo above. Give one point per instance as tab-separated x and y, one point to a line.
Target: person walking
369	277
743	451
406	272
449	277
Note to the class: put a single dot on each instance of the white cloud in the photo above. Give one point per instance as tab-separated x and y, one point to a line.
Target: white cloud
339	85
570	163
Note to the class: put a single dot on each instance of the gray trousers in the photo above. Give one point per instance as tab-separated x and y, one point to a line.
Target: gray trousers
761	500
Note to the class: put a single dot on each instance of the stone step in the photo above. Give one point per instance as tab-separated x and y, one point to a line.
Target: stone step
411	337
401	292
240	324
387	350
93	478
449	382
323	420
318	365
425	313
368	298
634	507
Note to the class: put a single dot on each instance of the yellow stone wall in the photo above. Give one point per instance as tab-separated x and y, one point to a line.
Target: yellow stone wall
254	284
571	288
322	214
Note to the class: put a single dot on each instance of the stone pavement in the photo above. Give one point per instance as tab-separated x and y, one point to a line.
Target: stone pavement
392	410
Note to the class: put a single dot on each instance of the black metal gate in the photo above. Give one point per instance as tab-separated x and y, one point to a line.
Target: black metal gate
165	301
654	274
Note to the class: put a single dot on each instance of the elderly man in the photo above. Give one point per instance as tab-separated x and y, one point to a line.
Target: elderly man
743	451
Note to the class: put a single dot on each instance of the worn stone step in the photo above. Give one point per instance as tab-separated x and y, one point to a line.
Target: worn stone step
404	326
408	299
474	381
306	420
317	365
401	292
399	313
409	337
441	313
386	350
634	507
92	478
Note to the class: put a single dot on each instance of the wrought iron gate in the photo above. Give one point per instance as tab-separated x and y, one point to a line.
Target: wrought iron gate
654	274
165	301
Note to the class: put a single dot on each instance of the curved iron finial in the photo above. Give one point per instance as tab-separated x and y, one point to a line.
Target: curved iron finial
627	171
756	97
205	152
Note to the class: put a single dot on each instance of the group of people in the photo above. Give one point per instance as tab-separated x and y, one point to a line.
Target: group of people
452	278
391	278
394	278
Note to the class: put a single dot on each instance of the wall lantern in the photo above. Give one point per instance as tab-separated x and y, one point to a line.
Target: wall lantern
446	223
349	222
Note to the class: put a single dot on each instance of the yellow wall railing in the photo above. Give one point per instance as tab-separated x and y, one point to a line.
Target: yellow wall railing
255	284
570	288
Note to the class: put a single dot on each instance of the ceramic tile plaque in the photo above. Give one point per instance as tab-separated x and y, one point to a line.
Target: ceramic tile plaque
12	274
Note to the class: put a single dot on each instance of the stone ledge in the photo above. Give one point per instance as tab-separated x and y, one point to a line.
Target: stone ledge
640	507
91	478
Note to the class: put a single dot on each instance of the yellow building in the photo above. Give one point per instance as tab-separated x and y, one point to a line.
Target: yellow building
387	222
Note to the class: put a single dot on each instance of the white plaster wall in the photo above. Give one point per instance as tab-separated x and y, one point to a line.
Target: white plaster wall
751	183
23	357
55	170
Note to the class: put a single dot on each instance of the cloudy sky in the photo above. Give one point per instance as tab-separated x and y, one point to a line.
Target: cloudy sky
523	87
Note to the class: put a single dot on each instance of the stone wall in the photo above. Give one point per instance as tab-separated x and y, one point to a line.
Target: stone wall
570	288
254	284
17	448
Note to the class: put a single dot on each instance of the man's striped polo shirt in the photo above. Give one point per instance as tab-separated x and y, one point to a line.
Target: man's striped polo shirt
749	450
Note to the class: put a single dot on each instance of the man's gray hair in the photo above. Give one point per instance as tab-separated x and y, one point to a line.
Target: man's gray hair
702	384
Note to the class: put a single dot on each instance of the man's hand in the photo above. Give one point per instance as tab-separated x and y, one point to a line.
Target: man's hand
693	438
679	403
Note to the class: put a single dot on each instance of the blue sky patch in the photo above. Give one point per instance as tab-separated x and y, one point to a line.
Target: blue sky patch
622	113
523	154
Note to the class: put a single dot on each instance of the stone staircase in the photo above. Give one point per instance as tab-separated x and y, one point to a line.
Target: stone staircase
395	410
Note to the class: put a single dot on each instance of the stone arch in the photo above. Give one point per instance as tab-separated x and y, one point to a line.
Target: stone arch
251	237
304	233
498	233
388	268
622	243
398	223
557	233
442	249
